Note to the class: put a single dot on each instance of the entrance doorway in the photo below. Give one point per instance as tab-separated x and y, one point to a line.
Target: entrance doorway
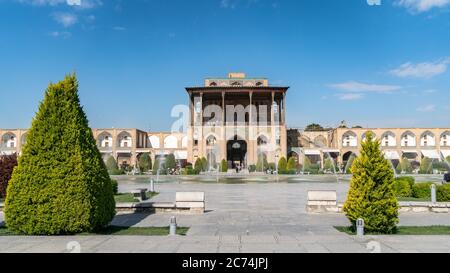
236	153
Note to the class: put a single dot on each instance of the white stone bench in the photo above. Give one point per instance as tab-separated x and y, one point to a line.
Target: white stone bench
193	201
322	201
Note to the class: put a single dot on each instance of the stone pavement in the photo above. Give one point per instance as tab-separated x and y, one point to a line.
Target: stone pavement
244	218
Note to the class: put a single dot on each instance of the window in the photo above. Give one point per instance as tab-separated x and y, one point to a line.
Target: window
196	142
106	144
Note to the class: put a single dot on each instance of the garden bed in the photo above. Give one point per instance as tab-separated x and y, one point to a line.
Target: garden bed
405	230
129	198
117	231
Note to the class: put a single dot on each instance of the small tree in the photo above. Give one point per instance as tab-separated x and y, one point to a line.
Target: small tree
61	184
282	165
7	165
145	162
329	165
224	166
371	195
291	164
171	163
198	165
426	166
111	166
405	166
204	163
261	164
314	127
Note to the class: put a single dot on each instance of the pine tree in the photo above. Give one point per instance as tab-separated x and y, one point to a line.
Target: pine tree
426	166
171	163
198	165
111	166
61	184
371	195
145	162
204	163
282	165
292	164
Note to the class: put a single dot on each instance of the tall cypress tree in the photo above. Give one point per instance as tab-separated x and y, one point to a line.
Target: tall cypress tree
61	184
371	195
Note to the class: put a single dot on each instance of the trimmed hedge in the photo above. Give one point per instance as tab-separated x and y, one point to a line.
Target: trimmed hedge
443	193
402	188
422	190
115	186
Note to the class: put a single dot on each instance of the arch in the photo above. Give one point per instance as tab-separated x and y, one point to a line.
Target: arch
213	84
104	140
320	141
154	142
445	139
171	142
408	139
388	139
124	140
184	142
211	140
9	140
262	140
427	139
23	139
349	139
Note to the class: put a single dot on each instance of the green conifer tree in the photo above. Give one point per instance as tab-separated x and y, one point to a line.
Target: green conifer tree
145	162
282	165
61	184
292	164
371	195
224	166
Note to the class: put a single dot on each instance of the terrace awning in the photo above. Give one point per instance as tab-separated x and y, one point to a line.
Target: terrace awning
445	153
410	152
391	155
312	152
180	155
331	151
432	154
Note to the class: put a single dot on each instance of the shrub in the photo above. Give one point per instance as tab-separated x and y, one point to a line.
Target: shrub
61	184
204	164
145	162
422	190
198	165
115	186
410	179
111	165
282	165
402	188
292	164
224	166
7	164
371	195
443	193
426	166
404	166
440	166
252	168
329	165
170	163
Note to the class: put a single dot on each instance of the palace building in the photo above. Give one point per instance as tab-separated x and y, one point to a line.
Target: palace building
237	119
243	120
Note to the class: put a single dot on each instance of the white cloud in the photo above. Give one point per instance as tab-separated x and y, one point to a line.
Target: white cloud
419	6
357	87
65	19
83	4
427	108
60	34
421	70
350	96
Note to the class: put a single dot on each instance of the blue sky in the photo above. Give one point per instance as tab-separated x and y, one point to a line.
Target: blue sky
376	66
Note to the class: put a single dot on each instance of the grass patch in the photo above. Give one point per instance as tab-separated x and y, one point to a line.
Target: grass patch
413	199
129	198
118	231
406	230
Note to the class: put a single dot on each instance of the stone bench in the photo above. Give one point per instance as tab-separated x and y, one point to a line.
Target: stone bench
322	201
192	201
140	194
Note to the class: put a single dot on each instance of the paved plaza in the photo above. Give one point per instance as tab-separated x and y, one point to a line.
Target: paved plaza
243	218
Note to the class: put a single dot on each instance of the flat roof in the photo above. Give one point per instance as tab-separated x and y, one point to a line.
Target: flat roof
237	88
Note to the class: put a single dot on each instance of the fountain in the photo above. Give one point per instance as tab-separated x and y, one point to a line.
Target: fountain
393	168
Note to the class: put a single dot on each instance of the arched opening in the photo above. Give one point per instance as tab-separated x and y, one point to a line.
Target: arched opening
125	140
184	142
349	139
154	142
237	153
427	139
320	141
408	139
211	141
171	142
364	136
104	140
388	139
9	141
445	139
